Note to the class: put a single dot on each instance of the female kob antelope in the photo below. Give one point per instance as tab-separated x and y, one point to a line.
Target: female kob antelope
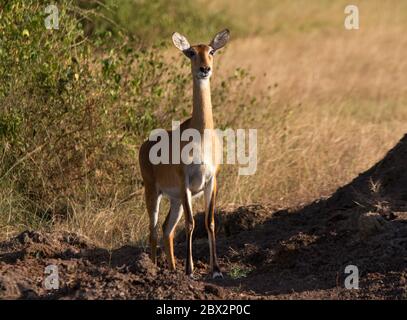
183	180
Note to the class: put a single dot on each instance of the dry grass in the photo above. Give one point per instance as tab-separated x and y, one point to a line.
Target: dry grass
336	105
337	98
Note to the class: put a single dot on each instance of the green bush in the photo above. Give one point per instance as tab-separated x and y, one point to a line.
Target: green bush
71	111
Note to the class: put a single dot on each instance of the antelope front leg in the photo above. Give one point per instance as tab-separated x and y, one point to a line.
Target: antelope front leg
168	231
189	228
210	197
153	205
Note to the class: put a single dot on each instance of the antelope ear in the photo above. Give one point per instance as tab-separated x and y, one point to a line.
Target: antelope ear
180	41
220	39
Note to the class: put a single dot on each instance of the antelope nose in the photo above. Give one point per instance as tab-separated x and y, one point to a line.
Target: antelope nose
205	69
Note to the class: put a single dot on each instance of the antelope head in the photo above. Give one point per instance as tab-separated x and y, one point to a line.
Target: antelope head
201	55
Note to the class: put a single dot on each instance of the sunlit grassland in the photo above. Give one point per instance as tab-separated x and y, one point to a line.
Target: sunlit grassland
337	97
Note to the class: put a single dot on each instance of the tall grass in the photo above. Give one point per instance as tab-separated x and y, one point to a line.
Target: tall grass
337	97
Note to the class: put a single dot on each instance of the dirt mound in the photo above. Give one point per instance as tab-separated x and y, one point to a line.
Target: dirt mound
264	253
382	188
88	272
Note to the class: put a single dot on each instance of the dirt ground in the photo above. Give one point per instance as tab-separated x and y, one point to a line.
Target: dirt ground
265	253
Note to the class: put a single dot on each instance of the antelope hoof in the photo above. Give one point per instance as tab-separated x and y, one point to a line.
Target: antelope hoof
217	275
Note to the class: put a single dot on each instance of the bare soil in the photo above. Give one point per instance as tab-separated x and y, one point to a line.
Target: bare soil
265	253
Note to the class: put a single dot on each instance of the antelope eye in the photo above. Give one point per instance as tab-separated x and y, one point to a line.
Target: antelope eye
212	52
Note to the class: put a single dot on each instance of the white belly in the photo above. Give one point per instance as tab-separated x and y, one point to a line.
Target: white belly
197	176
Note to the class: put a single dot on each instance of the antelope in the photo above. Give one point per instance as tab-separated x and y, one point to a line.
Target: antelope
183	181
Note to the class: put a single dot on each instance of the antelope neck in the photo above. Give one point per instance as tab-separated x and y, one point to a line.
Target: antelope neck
202	106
